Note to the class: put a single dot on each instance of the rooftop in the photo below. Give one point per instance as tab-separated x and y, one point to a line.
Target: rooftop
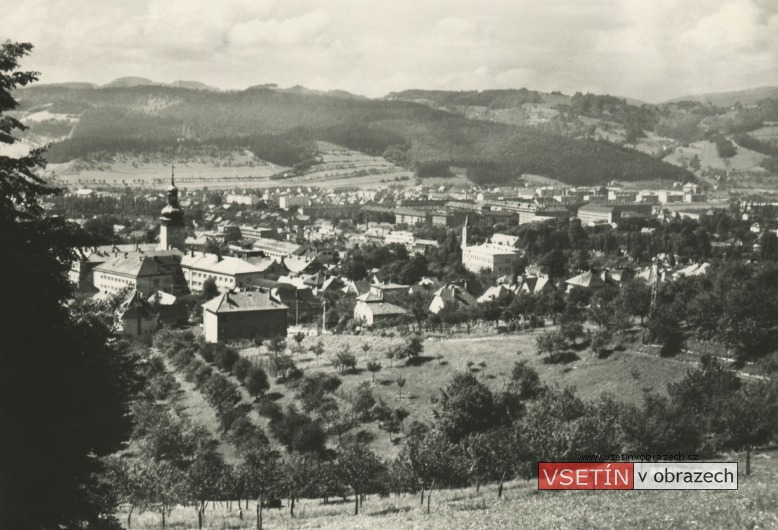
247	301
214	263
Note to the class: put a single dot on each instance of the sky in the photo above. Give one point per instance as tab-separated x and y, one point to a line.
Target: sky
650	50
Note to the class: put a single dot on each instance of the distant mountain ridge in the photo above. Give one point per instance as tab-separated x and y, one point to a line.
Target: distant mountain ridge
282	126
727	99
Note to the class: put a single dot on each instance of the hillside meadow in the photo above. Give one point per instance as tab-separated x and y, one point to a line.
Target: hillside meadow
627	375
753	505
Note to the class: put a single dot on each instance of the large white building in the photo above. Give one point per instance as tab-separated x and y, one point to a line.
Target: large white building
227	272
495	257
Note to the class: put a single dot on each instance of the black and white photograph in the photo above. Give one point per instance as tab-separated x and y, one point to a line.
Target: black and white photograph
285	264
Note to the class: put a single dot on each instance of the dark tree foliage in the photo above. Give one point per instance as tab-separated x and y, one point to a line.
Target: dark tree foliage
465	406
63	387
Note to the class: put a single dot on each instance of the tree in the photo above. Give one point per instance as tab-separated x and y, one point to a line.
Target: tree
317	349
210	290
300	476
390	354
412	348
636	297
205	481
463	406
241	369
64	384
361	469
264	475
277	345
525	381
373	367
663	327
363	402
401	384
345	359
256	382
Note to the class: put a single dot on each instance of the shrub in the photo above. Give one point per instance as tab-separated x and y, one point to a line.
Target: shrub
202	375
241	368
363	402
256	381
270	410
225	357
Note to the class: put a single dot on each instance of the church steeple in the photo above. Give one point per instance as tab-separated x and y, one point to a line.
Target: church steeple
172	233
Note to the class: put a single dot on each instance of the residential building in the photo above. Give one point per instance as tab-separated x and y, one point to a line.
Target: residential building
257	232
451	296
226	271
278	249
248	200
287	202
234	316
137	317
388	291
591	214
371	309
410	216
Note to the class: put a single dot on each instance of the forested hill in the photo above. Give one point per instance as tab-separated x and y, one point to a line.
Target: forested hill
281	127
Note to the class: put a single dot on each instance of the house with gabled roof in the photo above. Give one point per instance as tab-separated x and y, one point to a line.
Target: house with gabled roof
137	316
234	316
451	296
371	309
585	280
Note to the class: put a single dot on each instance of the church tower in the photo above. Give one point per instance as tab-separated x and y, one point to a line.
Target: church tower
172	233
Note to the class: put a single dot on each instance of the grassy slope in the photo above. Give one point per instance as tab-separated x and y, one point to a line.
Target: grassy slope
591	376
753	505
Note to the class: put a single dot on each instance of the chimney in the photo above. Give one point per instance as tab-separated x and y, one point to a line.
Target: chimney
126	255
191	252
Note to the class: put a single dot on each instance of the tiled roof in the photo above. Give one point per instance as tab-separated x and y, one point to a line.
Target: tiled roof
143	265
279	247
381	308
586	279
226	265
136	307
247	301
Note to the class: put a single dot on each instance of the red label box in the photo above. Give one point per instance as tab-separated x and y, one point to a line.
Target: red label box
586	476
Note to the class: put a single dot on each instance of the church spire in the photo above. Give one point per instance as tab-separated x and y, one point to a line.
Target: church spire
173	174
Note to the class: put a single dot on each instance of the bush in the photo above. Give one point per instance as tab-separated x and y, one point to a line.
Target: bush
270	410
313	389
345	360
241	368
256	381
247	436
562	357
225	357
202	375
363	403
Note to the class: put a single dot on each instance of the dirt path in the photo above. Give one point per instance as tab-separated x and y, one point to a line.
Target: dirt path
201	413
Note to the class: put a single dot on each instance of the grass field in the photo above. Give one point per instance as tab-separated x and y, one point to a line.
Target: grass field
754	505
626	375
339	167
